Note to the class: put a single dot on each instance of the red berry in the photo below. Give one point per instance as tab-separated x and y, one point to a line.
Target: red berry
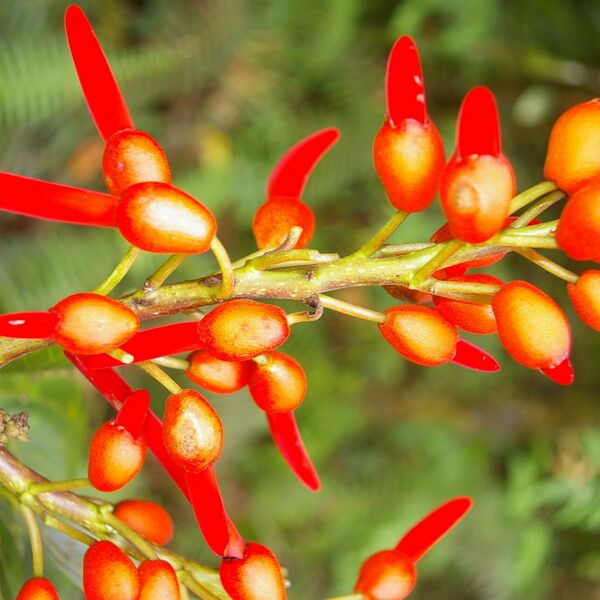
531	326
158	581
585	297
216	375
115	457
109	574
274	219
92	324
256	576
158	217
130	157
420	334
38	588
279	385
242	329
573	157
147	518
387	575
192	431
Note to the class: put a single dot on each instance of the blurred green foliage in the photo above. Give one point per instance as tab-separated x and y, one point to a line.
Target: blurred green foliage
226	86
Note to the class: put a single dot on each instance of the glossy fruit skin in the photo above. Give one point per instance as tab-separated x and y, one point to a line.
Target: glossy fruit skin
93	324
243	329
147	518
274	219
132	156
256	576
158	581
585	298
409	160
475	317
420	334
386	575
476	192
531	326
158	217
109	574
216	375
115	457
573	156
192	431
38	588
279	385
578	231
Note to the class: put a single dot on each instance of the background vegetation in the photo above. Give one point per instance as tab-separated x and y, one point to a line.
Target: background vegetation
226	86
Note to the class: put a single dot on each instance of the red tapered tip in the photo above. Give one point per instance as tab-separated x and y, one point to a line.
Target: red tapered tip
32	325
478	128
562	374
289	176
404	87
102	94
133	413
429	530
473	357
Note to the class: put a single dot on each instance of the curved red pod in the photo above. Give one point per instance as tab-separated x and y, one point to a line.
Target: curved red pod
478	129
287	438
133	413
563	373
102	94
30	325
473	357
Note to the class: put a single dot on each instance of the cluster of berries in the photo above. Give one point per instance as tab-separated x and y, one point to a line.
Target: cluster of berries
234	345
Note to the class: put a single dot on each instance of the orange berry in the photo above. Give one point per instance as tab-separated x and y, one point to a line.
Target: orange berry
279	385
386	575
38	588
192	431
158	217
216	375
531	326
115	457
274	219
147	518
255	576
130	157
573	157
475	317
93	324
585	297
158	581
109	574
420	334
242	329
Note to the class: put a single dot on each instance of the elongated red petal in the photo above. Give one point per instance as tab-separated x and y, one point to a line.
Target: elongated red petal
56	202
562	374
404	87
102	94
428	531
152	343
132	415
288	440
33	325
478	129
473	357
289	176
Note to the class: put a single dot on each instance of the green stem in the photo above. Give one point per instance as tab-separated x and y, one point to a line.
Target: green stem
224	262
438	261
157	373
528	241
400	249
548	265
196	587
531	194
537	208
35	539
382	235
68	530
351	310
119	272
67	485
172	362
462	290
348	597
145	547
164	271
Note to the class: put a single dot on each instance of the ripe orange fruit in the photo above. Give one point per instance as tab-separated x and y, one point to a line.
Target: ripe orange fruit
386	575
585	297
147	518
109	574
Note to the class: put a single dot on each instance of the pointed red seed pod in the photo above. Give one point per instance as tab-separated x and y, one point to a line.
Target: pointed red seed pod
408	151
158	581
472	357
38	588
274	219
563	373
147	518
109	574
475	317
386	575
256	576
158	217
133	413
216	375
573	159
130	157
192	431
31	325
102	94
243	329
585	297
420	334
531	326
478	182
